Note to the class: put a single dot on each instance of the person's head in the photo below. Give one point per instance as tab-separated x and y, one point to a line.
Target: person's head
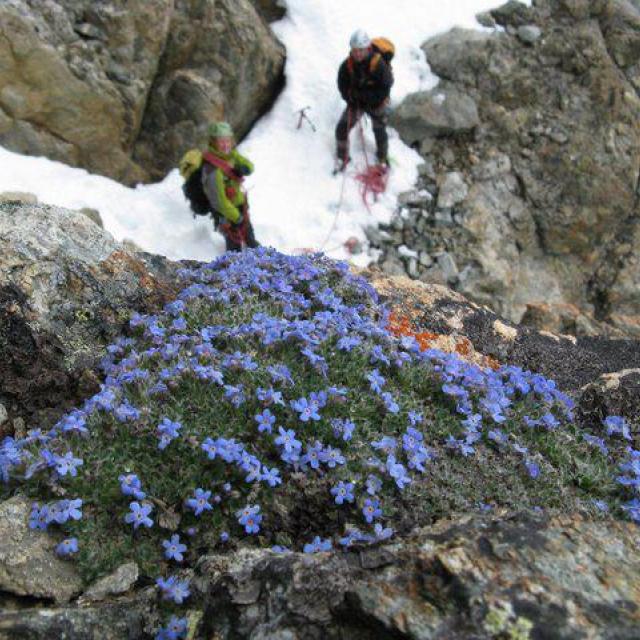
360	44
221	136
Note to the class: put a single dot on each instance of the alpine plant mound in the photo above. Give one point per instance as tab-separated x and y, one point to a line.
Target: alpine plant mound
270	405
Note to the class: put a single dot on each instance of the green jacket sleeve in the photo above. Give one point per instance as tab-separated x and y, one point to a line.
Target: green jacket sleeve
226	208
242	164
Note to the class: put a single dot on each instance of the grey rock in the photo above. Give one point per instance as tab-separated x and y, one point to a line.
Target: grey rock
485	19
447	264
147	73
552	211
93	215
392	266
88	30
118	582
28	564
529	33
443	111
497	164
443	217
412	268
346	595
68	290
452	190
425	259
460	54
18	196
4	415
512	14
270	10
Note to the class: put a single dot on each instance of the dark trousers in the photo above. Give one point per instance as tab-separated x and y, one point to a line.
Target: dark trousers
350	118
233	242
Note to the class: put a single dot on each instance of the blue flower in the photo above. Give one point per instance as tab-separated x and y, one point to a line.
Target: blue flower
139	515
265	421
389	402
333	457
596	442
342	492
67	547
39	517
397	472
633	509
287	440
376	381
318	545
616	425
174	589
175	630
411	440
386	444
250	518
314	455
373	485
532	468
173	548
271	476
371	510
200	501
306	410
130	486
67	464
343	428
382	533
167	431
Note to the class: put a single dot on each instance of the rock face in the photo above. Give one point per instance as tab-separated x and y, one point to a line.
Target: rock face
28	564
512	576
468	578
66	291
551	164
572	362
111	86
220	60
270	10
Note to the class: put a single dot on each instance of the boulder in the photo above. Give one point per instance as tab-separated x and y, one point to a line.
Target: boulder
18	196
220	61
444	111
123	91
461	578
67	289
552	165
28	563
270	10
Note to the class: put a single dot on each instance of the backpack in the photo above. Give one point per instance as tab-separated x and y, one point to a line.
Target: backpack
194	193
382	48
191	170
385	48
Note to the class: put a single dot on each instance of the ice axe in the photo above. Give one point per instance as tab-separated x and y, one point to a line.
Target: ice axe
304	116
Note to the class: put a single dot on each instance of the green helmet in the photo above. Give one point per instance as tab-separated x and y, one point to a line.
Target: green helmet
220	130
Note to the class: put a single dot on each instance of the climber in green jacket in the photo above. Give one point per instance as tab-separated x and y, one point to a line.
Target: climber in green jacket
223	171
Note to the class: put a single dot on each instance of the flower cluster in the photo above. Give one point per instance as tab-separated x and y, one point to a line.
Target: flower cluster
271	382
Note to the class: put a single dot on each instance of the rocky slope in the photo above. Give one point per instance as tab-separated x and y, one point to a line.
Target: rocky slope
501	574
530	189
123	88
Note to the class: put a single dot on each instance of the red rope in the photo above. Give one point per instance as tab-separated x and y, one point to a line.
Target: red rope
374	178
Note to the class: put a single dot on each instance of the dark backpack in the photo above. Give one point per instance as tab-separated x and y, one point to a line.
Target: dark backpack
194	193
198	201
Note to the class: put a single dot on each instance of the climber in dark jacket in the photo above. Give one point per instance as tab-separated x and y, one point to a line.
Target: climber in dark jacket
364	82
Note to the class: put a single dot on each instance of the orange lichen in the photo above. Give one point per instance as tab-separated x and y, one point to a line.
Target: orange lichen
400	325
